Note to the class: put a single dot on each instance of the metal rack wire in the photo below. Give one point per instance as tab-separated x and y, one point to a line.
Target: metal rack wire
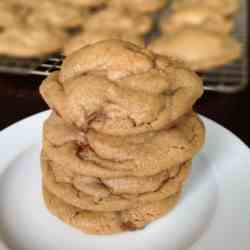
230	78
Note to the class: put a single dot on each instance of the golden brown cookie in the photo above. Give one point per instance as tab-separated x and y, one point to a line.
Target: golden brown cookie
198	16
103	187
85	3
119	20
143	6
30	41
88	38
100	155
108	222
224	7
112	202
12	14
200	49
57	14
137	218
118	88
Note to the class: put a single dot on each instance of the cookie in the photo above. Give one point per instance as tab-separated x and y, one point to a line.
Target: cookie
100	155
142	6
108	222
12	14
88	38
223	7
198	16
57	14
30	41
118	88
85	3
112	202
119	20
198	48
102	187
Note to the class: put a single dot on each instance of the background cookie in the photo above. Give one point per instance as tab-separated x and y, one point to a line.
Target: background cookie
30	41
77	198
57	14
224	7
198	16
143	6
200	49
88	37
119	20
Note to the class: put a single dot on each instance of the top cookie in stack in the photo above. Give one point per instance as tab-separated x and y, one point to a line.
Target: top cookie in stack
118	88
119	144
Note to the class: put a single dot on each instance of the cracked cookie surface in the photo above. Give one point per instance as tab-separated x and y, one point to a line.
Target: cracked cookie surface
112	202
99	155
118	88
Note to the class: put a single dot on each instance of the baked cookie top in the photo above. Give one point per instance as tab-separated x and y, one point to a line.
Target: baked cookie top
198	16
200	49
117	88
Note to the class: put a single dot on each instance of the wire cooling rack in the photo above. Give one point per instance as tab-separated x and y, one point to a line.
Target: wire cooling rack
230	78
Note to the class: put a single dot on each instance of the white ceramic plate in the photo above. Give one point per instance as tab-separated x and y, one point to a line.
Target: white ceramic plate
213	214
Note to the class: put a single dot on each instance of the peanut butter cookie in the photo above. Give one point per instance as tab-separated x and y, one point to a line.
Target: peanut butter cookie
118	88
198	48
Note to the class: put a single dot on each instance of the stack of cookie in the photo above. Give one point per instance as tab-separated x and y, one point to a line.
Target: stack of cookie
119	143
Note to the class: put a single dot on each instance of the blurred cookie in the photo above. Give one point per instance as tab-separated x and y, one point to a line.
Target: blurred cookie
87	38
12	14
30	41
143	6
120	20
57	14
198	16
224	7
85	3
198	48
107	222
118	88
